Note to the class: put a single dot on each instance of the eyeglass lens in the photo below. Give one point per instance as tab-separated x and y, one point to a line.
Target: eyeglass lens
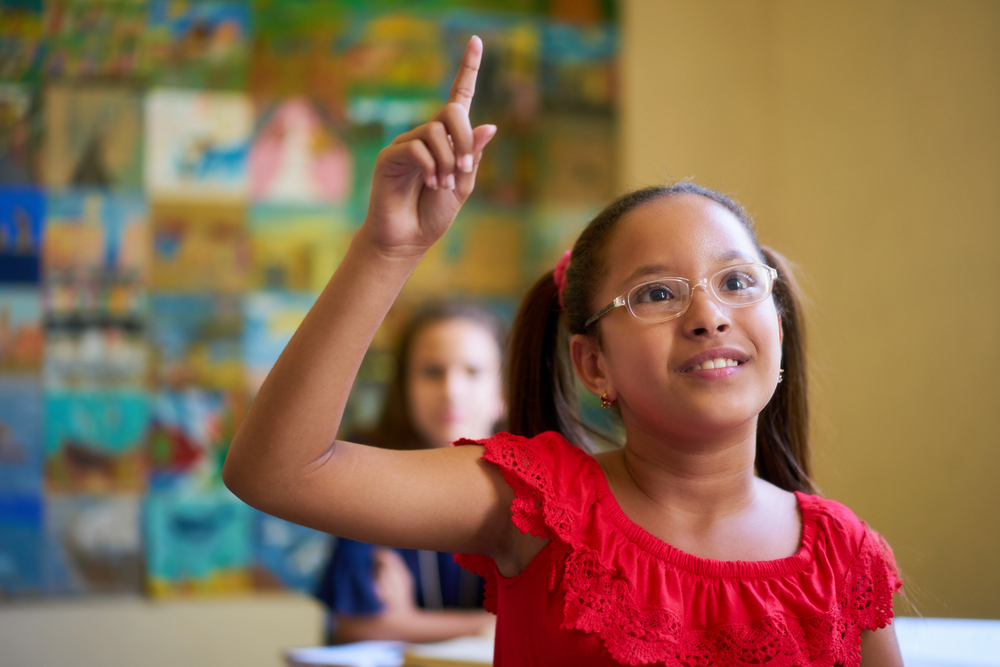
666	297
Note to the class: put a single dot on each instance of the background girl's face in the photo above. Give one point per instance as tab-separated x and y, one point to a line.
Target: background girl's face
649	365
453	381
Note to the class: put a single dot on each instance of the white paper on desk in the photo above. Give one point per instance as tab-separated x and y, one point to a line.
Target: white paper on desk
477	650
948	642
358	654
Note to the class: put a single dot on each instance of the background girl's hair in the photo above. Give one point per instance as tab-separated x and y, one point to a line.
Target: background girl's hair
395	428
540	390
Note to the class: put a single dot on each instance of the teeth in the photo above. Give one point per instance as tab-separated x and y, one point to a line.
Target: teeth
716	363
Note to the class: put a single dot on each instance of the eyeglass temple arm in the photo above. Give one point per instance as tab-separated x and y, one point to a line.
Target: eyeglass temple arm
619	301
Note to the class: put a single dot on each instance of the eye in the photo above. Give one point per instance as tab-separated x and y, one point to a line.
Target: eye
653	293
737	281
432	372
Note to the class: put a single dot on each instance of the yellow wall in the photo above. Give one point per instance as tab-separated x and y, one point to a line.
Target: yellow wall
865	138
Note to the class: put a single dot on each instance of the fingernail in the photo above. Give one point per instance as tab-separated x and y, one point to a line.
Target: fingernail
449	182
465	163
432	182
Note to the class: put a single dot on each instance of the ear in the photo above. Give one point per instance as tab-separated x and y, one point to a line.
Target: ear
590	365
781	331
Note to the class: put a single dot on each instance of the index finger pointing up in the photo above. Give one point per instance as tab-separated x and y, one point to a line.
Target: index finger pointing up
464	86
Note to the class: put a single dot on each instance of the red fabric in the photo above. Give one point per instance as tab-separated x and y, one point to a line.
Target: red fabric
606	592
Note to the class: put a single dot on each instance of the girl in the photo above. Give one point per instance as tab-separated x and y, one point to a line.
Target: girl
669	550
447	384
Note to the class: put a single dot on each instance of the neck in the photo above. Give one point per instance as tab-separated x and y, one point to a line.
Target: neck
693	481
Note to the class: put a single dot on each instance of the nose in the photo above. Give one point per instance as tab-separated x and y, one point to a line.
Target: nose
454	384
705	316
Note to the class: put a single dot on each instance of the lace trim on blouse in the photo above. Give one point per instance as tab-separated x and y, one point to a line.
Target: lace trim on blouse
598	599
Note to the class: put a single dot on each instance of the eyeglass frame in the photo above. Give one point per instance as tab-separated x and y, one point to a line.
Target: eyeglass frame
622	299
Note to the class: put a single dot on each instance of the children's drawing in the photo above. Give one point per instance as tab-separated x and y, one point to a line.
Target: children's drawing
22	545
287	555
196	341
22	214
578	67
93	39
197	542
197	144
94	354
189	435
93	544
298	156
197	44
21	446
21	335
295	247
93	137
198	246
22	40
94	441
270	319
20	134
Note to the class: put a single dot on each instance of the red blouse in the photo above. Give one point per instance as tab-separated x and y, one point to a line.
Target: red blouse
603	591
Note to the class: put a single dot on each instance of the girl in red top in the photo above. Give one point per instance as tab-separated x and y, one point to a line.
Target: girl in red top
669	550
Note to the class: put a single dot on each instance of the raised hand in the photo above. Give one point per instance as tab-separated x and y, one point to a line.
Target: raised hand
422	179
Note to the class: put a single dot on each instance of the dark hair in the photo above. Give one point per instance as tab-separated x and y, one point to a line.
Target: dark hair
540	388
395	428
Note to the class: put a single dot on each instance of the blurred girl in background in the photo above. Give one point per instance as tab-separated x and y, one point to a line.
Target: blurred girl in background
447	384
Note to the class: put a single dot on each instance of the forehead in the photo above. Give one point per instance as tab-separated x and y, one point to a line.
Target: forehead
455	339
687	235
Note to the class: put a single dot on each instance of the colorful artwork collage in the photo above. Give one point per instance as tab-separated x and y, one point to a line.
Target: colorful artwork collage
178	181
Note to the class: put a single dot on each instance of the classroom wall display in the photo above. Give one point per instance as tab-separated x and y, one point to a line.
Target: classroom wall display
296	248
178	182
197	144
94	441
93	544
198	246
93	136
197	542
287	555
21	337
22	40
196	340
22	216
22	545
197	44
269	320
189	435
21	431
299	155
94	40
20	134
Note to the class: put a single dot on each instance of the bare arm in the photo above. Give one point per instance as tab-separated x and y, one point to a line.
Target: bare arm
284	460
879	648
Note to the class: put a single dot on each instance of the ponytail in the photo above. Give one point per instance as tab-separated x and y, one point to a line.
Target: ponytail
541	395
783	425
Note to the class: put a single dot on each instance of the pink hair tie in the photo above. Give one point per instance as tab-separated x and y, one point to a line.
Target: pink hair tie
559	275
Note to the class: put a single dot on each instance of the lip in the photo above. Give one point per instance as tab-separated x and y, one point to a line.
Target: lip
716	353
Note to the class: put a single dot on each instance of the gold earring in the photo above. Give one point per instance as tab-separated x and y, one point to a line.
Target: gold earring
606	402
781	375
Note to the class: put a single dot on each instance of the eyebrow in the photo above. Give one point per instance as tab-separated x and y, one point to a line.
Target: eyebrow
664	270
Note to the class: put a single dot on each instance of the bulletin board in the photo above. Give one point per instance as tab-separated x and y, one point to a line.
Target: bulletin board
178	180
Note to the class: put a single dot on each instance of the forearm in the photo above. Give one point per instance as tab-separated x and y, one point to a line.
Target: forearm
291	425
419	625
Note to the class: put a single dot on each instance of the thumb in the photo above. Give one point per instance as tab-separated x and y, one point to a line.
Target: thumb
480	137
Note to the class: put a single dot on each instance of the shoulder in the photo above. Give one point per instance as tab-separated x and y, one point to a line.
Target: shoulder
853	550
553	481
544	461
836	525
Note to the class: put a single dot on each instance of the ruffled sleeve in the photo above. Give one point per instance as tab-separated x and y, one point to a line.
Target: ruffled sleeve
651	603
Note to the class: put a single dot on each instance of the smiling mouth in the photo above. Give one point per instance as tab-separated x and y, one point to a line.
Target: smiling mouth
709	364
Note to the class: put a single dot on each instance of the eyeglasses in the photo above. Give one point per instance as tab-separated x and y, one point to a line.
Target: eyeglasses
666	298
